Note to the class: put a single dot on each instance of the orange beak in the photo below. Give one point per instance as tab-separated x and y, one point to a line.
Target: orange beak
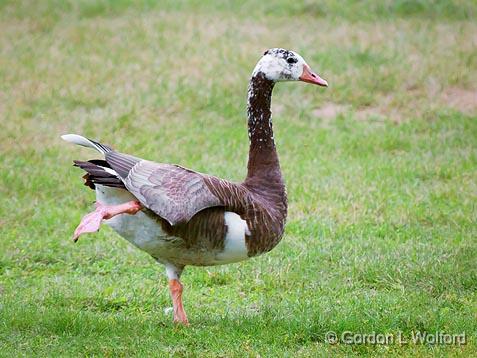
310	77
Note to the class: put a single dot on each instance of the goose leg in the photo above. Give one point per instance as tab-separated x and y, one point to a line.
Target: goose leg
92	221
175	288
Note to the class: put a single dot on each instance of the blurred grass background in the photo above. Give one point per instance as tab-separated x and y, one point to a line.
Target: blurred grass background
381	170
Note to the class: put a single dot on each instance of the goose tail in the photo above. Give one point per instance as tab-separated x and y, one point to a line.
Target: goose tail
85	142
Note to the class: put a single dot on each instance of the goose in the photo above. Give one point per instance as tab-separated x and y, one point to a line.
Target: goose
182	217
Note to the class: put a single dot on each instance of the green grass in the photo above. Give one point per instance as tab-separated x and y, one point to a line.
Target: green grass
381	171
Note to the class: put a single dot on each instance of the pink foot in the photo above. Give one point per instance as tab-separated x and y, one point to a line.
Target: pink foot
92	221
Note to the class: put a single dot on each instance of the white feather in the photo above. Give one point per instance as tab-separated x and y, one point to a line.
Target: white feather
111	171
140	229
235	248
276	68
80	140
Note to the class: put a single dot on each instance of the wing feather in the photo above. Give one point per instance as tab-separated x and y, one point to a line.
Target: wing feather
121	163
171	191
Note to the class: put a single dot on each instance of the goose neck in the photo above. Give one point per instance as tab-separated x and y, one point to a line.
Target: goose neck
263	158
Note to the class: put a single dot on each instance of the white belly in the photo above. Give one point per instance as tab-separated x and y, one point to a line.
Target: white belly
140	229
146	233
235	248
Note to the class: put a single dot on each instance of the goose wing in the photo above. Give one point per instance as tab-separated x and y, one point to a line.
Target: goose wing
171	191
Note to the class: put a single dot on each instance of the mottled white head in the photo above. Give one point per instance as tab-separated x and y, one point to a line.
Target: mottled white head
278	64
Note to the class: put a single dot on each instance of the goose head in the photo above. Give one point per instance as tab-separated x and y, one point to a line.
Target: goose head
278	64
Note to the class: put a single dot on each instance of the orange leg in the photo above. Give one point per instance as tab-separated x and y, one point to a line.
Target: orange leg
92	221
131	208
176	293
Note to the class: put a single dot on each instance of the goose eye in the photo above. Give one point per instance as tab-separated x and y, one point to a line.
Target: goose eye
291	60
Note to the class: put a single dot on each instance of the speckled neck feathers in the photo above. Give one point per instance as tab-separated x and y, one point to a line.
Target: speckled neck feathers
263	158
264	177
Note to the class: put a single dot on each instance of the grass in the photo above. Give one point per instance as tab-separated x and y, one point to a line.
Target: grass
381	171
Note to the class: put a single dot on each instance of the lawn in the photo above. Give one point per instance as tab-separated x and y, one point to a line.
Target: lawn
381	170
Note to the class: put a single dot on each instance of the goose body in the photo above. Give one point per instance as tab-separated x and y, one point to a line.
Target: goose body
146	231
182	217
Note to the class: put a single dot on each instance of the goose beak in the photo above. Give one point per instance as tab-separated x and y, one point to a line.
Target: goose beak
310	77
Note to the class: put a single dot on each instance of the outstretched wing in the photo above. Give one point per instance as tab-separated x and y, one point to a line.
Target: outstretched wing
171	191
